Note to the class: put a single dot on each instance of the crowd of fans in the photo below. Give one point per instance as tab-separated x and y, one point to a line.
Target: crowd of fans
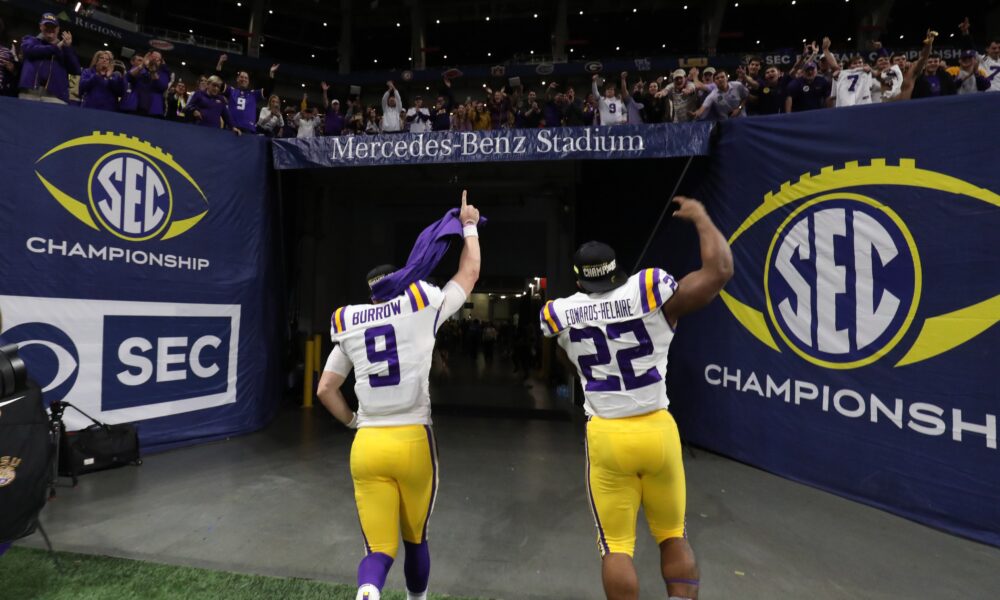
45	67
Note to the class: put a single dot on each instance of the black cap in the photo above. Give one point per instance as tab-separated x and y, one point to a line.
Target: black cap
378	273
596	269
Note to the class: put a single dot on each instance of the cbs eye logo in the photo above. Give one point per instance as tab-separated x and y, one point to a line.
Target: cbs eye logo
842	275
131	190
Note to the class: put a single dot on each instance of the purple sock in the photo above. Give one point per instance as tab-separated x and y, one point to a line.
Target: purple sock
373	569
417	566
4	547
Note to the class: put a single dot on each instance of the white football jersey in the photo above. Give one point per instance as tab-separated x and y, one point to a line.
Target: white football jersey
390	345
992	68
853	86
618	341
613	111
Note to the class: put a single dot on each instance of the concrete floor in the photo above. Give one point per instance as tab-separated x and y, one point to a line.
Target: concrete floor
511	519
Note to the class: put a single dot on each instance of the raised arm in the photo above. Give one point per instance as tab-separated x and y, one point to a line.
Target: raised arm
698	288
828	58
624	80
468	263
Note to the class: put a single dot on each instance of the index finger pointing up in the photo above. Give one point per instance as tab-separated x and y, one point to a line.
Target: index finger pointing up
464	193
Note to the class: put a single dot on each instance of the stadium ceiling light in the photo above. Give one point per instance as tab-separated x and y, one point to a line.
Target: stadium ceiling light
543	83
849	39
758	41
446	57
239	4
324	23
183	64
487	18
398	24
78	5
375	61
581	13
105	44
535	15
736	5
410	58
190	30
491	54
900	37
570	49
793	2
303	85
427	87
618	47
685	7
313	55
635	10
663	46
234	39
531	52
952	35
270	12
438	21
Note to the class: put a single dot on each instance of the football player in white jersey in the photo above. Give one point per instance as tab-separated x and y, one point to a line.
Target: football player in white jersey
394	457
611	107
617	331
989	62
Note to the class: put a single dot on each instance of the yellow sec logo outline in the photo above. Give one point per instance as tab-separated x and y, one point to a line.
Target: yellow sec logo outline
937	334
121	141
97	211
917	281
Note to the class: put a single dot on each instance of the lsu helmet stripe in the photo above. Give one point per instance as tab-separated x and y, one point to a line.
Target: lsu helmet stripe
547	311
417	295
413	299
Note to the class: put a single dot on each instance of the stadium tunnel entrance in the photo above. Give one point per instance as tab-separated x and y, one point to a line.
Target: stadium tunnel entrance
490	358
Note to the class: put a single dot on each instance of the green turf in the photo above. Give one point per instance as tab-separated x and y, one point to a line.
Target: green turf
28	574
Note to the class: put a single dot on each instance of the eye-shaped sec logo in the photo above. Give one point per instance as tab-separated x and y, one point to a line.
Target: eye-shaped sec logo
129	188
842	276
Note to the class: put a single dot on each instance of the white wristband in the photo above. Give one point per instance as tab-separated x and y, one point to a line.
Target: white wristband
354	421
470	231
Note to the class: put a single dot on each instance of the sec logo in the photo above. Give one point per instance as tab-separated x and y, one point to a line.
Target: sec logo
135	191
842	276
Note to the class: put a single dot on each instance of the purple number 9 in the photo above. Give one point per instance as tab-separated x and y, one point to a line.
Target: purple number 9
388	355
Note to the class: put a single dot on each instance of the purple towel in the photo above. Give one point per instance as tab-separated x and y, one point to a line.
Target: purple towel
431	245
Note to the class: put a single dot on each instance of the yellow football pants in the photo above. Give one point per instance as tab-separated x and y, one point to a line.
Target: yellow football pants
633	461
395	481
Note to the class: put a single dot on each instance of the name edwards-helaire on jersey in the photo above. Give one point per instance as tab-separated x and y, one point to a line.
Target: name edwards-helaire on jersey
473	143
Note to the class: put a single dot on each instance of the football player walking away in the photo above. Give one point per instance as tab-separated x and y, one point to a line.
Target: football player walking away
617	331
389	344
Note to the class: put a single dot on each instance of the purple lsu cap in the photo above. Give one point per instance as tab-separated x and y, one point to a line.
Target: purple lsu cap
809	65
48	19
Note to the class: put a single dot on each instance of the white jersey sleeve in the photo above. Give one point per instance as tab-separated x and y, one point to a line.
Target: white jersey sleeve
390	345
619	342
338	362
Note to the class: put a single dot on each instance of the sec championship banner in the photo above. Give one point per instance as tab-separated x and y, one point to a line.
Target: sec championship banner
496	145
136	270
856	347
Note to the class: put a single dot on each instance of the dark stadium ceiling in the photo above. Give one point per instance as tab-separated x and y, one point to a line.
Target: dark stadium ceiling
497	31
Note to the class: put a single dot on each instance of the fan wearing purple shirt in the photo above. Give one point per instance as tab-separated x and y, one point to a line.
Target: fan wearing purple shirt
100	85
808	92
209	108
935	80
770	96
243	100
